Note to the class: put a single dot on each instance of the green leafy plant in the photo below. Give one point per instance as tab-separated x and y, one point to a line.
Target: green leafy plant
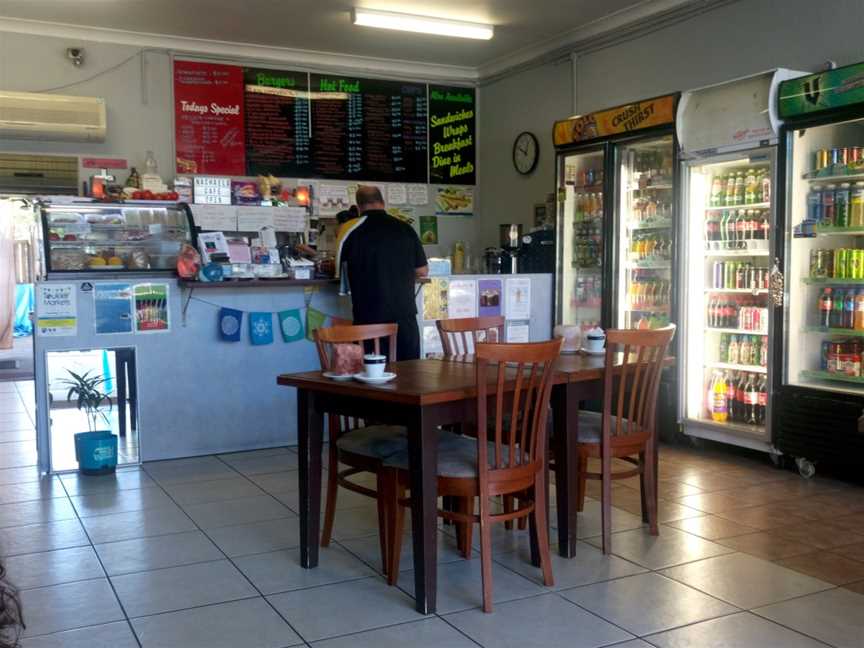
85	390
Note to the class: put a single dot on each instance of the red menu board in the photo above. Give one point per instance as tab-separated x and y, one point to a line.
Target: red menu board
208	118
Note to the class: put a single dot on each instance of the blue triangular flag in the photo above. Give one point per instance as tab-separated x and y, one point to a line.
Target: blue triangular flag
230	321
261	328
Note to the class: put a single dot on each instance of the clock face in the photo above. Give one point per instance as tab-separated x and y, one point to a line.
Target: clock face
525	153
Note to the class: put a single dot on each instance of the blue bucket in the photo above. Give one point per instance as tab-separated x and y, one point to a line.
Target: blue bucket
96	452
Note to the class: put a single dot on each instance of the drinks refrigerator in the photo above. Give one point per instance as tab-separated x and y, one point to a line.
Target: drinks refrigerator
728	133
820	387
616	215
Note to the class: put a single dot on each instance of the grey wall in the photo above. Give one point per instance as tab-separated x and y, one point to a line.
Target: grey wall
529	101
731	41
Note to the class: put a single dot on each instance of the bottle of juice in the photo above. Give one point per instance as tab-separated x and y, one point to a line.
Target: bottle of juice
849	310
856	205
719	409
750	187
732	351
859	310
739	188
826	306
729	197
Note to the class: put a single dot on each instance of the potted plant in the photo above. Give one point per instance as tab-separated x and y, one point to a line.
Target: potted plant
95	450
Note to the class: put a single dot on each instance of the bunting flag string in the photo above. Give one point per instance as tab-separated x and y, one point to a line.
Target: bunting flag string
293	326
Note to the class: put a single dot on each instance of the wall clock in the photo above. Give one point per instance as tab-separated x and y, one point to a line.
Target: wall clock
526	151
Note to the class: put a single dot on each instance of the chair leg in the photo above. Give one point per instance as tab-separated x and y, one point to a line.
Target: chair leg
394	528
582	480
542	525
508	508
465	532
384	502
606	498
649	488
521	523
486	552
332	490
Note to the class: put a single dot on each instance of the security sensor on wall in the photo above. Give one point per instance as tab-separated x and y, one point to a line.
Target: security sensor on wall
76	55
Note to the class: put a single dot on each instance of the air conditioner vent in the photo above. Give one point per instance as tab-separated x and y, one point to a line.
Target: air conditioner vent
27	115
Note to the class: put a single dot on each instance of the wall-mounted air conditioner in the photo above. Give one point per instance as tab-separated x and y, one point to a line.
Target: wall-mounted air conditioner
34	116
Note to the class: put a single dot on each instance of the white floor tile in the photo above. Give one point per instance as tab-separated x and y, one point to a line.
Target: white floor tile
68	606
53	567
835	616
156	552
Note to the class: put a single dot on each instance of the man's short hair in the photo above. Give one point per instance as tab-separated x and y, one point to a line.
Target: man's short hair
368	195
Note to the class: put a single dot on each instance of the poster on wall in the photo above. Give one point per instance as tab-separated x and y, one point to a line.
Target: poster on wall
490	297
429	230
112	304
452	126
208	118
57	310
435	298
462	298
454	201
518	298
518	332
151	308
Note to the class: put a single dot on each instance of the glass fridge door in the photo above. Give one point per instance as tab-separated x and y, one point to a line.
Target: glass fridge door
644	204
726	312
824	311
580	239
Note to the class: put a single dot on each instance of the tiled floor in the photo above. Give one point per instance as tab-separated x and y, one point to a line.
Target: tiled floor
203	553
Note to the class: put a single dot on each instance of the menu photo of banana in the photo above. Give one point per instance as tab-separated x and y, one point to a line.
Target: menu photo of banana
454	201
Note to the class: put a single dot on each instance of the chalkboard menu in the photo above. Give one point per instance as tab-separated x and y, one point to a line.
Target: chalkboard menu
368	129
277	122
451	135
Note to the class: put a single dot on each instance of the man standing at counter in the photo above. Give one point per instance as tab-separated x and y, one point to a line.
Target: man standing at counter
382	257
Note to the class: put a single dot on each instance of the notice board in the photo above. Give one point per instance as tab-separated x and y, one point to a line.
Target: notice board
452	134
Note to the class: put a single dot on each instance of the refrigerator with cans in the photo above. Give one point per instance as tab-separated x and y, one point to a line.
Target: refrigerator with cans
728	134
616	216
819	408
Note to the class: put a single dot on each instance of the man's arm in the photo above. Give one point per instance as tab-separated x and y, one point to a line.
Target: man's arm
422	271
421	265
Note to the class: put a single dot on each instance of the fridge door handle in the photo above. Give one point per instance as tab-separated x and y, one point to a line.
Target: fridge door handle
776	283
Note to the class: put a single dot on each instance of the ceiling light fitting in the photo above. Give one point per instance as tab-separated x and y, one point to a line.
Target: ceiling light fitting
421	24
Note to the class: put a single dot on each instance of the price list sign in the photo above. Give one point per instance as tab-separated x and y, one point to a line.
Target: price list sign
277	123
368	129
451	135
208	118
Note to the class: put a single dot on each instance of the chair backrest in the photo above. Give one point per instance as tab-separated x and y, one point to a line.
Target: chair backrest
326	340
518	449
461	336
630	388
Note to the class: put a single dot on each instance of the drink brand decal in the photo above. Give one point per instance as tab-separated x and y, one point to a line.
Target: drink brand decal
817	92
622	119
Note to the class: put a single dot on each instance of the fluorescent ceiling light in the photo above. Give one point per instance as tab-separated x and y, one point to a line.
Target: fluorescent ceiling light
422	24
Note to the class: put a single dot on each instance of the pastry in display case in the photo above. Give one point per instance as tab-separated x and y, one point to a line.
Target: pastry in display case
114	237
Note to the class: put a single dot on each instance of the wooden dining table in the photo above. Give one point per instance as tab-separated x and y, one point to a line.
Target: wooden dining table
425	395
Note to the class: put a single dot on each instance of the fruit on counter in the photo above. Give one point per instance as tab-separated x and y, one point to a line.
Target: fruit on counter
149	195
115	261
96	261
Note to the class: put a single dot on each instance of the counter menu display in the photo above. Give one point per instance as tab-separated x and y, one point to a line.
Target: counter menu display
452	125
368	129
277	122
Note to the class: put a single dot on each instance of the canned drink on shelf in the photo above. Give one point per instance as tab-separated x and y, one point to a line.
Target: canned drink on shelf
835	156
855	270
856	154
823	356
823	159
840	263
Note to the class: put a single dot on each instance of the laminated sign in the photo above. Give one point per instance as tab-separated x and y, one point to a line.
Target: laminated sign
615	121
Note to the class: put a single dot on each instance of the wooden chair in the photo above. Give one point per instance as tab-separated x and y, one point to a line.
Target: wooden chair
626	429
460	336
498	462
359	446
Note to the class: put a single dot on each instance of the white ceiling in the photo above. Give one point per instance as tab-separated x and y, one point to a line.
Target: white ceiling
522	26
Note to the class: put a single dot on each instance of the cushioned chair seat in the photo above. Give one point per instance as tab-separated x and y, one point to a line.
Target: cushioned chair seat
375	441
457	456
590	426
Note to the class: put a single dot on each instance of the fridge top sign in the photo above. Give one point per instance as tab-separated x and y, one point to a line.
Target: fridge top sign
616	121
824	91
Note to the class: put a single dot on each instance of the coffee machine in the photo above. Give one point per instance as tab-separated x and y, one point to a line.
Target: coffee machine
510	236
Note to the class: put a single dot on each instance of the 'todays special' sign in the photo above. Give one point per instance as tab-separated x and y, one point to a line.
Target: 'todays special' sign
451	135
622	119
208	118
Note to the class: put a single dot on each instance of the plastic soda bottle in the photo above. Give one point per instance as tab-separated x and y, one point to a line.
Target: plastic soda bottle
719	408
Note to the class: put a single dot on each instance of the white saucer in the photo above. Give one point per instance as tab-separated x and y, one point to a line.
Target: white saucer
337	377
596	353
380	380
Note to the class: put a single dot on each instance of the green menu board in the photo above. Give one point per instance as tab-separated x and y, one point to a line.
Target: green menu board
452	132
823	91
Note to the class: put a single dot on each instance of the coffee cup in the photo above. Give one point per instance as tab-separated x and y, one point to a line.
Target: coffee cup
373	365
595	340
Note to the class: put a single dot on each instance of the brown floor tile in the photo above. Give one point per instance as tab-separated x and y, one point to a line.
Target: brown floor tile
766	544
826	566
823	535
823	507
712	502
711	482
669	489
673	511
853	522
711	527
762	517
853	551
855	587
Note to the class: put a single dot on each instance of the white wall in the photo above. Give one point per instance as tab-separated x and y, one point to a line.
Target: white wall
529	101
731	41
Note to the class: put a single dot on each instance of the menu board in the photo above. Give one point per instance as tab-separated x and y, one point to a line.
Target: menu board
368	129
208	118
452	129
277	122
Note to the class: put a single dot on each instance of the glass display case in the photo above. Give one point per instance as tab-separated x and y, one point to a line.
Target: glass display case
87	237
